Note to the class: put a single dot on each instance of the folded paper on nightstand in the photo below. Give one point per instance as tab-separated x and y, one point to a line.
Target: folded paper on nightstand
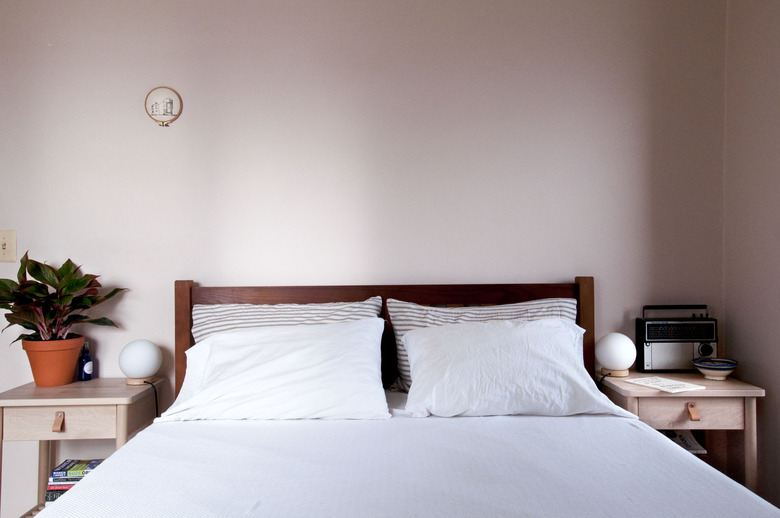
665	384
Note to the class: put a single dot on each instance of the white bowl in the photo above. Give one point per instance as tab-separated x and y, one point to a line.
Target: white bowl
715	368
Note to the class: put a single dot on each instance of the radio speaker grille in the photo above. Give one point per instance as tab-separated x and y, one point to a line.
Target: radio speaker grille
678	331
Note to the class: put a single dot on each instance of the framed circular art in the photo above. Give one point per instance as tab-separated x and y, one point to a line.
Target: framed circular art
163	105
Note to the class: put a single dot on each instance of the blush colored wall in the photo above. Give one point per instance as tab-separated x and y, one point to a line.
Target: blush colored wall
751	214
362	142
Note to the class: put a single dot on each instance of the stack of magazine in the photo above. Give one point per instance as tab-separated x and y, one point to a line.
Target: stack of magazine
66	475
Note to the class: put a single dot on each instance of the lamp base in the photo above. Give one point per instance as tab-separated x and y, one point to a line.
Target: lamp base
615	373
140	381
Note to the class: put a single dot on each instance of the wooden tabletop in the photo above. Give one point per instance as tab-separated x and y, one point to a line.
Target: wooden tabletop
98	391
729	387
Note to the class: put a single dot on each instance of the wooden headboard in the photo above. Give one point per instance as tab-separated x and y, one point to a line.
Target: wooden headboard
189	293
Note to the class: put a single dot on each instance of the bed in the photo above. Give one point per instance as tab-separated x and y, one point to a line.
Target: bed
440	400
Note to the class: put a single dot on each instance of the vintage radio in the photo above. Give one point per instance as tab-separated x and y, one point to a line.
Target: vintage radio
668	343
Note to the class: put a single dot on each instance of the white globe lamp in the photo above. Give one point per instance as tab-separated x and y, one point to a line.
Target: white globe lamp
139	361
615	353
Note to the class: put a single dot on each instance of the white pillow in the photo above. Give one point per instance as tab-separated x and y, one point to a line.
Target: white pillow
327	371
506	367
406	316
209	319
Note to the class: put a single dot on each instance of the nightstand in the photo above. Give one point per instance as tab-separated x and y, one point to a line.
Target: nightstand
102	408
723	405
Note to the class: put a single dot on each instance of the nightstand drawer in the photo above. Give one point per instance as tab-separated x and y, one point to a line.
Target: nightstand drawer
81	422
671	413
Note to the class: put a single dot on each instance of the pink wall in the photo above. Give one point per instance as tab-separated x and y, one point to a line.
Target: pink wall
751	213
364	142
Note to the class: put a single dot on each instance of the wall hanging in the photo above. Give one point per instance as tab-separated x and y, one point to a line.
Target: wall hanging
163	105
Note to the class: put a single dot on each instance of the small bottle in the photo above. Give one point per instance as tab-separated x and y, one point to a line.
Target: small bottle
85	364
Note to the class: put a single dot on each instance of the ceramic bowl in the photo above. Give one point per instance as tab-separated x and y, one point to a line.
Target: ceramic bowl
715	368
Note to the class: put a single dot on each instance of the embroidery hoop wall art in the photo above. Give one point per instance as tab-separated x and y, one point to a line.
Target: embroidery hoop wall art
163	105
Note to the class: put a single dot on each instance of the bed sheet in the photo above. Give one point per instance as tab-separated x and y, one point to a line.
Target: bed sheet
584	466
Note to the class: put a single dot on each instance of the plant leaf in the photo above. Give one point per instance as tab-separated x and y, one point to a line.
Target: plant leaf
22	275
31	336
94	282
67	270
42	272
113	292
33	289
22	317
103	321
73	286
80	302
7	288
74	319
25	325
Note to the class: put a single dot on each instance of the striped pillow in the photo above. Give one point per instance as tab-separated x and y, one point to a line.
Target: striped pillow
406	316
209	319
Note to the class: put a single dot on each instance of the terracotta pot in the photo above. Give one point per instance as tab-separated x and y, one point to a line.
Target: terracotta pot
53	362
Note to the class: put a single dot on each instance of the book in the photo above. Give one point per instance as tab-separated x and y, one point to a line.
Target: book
686	439
64	480
59	487
74	468
61	470
665	384
51	496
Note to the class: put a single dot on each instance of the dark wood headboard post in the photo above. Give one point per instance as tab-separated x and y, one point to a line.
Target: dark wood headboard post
587	320
182	328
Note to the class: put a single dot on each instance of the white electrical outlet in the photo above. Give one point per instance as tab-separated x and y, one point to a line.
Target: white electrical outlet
7	246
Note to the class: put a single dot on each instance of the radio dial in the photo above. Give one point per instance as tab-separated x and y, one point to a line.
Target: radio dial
706	349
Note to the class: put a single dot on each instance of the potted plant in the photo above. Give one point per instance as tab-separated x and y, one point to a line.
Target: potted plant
48	304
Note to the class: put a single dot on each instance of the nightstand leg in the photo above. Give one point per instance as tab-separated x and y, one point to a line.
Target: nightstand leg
751	444
122	425
632	405
44	468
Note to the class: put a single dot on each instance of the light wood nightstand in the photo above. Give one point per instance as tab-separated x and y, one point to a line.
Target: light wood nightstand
724	405
102	408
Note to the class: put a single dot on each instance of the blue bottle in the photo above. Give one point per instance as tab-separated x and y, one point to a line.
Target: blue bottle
85	364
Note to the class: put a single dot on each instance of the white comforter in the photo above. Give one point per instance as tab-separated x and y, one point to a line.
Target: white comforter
582	466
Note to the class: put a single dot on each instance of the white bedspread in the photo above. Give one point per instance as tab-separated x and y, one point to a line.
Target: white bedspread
582	466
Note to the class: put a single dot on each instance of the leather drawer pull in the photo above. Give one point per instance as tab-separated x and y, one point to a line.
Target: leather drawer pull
693	412
59	421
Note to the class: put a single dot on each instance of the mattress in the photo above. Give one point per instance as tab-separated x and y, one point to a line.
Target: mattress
584	466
